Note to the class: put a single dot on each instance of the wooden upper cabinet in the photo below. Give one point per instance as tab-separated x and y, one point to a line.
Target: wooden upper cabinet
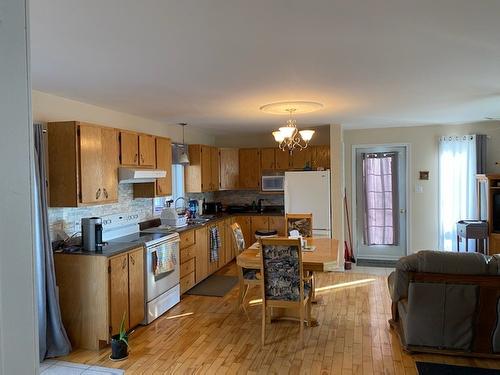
164	162
301	159
229	168
90	161
282	159
83	163
320	156
202	173
249	168
214	168
129	148
267	158
110	160
147	154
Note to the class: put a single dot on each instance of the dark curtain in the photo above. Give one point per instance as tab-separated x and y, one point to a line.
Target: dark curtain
53	339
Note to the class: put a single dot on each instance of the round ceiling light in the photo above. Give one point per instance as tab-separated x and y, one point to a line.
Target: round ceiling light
299	106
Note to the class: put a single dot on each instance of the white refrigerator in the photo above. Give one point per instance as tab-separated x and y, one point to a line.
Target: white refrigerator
309	192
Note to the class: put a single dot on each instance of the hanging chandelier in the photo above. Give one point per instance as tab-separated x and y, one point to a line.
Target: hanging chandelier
289	137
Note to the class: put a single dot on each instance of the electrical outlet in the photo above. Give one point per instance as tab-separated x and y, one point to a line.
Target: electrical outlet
78	226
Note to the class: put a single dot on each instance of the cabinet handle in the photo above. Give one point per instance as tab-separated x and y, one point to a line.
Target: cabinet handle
142	158
135	158
159	187
132	260
124	263
98	193
105	193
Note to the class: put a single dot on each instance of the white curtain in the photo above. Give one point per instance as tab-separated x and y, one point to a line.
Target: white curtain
457	187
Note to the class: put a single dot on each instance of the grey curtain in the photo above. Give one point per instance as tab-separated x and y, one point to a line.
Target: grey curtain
53	339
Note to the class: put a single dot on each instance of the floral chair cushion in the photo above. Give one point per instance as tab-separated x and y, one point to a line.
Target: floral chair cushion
282	272
239	239
250	274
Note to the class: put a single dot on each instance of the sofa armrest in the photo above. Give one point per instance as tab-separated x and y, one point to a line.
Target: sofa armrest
398	282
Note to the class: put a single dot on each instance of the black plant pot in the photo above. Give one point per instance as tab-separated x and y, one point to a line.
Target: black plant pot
119	349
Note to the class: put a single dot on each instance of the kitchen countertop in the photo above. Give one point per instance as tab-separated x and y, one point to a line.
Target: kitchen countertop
108	250
115	247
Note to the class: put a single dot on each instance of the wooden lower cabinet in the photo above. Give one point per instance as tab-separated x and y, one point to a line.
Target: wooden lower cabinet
118	292
277	223
94	293
201	253
187	282
260	222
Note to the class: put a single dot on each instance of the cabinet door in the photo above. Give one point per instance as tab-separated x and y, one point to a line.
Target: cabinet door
109	164
118	292
320	156
277	223
282	159
229	168
250	168
214	168
136	286
164	162
246	228
90	164
301	158
206	164
129	148
267	159
147	150
214	266
228	244
201	254
260	223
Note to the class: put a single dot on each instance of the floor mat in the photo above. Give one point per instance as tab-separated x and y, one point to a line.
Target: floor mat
215	286
375	263
428	368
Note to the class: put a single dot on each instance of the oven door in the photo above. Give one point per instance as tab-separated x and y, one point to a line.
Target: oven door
160	281
273	183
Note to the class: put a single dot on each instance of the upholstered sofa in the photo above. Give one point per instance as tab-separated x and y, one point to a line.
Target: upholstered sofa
447	302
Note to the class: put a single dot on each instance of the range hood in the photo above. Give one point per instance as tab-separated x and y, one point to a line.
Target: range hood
137	175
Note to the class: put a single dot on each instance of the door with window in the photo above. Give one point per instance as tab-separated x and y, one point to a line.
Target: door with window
381	202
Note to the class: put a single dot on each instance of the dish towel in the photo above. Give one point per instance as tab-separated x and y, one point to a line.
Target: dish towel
163	260
214	244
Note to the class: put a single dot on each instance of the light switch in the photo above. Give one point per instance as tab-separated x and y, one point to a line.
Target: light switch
419	188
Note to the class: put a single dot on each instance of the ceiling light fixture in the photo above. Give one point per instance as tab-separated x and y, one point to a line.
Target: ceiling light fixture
288	136
183	158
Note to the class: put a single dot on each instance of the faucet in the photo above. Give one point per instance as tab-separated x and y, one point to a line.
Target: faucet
259	205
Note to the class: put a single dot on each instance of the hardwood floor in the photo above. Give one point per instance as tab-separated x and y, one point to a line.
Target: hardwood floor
209	335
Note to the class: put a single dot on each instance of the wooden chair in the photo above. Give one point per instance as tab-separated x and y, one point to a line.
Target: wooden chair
301	222
246	276
283	281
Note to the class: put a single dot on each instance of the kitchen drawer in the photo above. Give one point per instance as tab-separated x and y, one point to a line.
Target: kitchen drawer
187	239
187	267
187	282
187	253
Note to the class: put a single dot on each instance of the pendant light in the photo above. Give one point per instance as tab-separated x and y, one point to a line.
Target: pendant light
183	158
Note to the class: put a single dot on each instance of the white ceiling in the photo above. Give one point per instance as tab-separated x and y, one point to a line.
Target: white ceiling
213	63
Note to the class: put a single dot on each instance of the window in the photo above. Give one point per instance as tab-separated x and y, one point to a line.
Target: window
177	189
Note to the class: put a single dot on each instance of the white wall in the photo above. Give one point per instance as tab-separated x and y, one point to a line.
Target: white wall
423	142
47	107
337	187
18	327
265	139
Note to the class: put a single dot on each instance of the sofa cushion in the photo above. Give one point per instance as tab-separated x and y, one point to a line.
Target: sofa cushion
452	263
441	315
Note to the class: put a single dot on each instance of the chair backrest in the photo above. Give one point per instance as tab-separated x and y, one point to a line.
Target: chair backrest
281	262
301	222
239	239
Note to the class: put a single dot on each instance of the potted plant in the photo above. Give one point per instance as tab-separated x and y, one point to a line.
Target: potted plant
119	343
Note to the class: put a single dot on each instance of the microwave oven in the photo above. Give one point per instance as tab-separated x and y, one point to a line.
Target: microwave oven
273	183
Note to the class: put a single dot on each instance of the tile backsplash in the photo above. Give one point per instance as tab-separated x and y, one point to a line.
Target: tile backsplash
65	218
241	197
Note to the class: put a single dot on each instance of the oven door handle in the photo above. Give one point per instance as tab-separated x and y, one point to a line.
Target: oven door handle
154	257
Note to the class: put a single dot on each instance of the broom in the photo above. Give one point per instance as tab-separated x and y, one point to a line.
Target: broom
348	248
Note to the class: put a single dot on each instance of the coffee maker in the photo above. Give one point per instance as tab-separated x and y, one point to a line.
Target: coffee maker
92	234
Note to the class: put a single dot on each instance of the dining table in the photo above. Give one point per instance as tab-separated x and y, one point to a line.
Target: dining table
321	255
